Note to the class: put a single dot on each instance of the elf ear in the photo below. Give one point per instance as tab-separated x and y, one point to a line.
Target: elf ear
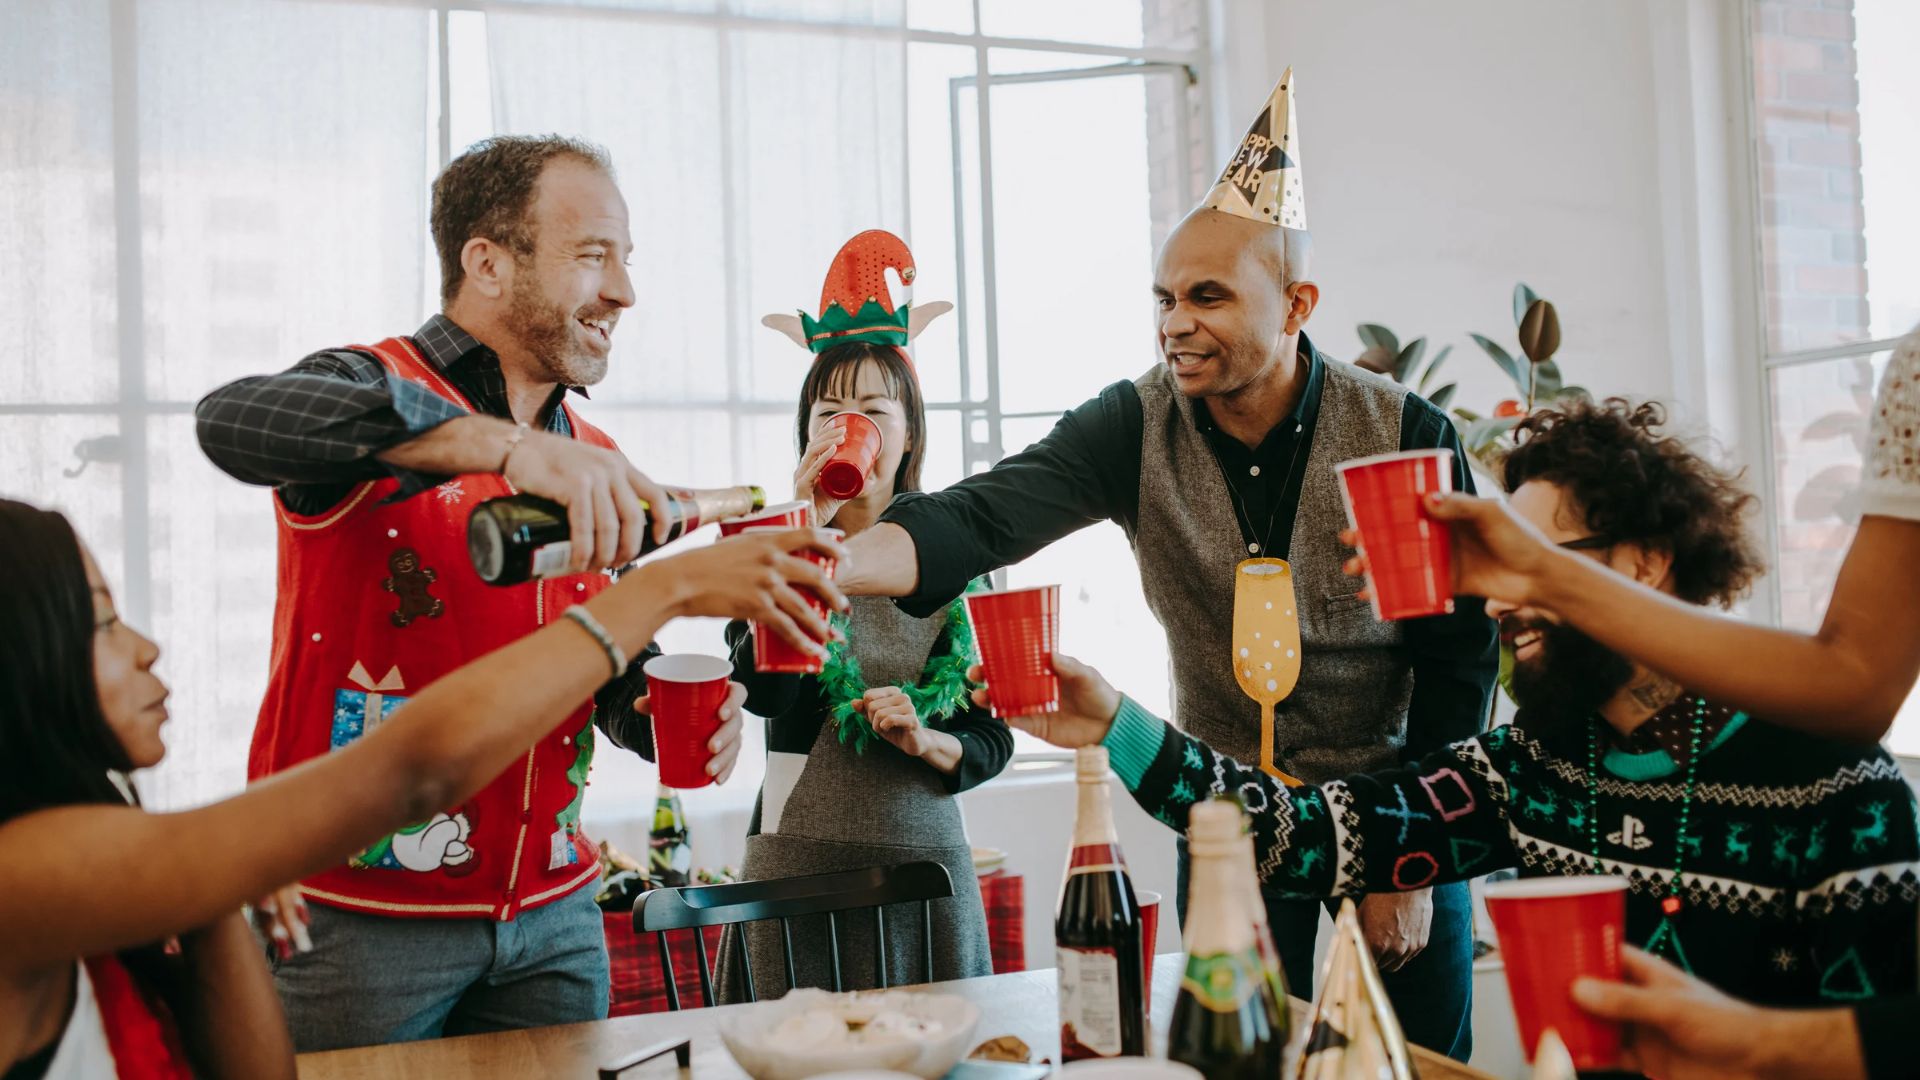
921	315
788	325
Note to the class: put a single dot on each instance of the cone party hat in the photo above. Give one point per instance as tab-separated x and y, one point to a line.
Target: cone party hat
1262	180
1353	1033
1552	1061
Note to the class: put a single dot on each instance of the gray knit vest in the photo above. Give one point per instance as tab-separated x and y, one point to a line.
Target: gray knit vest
1349	711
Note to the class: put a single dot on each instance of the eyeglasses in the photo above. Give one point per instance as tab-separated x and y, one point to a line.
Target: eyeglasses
1589	543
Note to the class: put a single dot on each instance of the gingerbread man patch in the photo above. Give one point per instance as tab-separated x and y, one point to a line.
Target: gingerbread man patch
410	582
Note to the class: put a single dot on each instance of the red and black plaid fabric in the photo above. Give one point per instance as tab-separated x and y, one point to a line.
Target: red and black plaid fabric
639	982
1005	897
640	985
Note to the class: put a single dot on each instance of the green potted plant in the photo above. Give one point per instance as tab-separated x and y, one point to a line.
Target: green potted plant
1536	378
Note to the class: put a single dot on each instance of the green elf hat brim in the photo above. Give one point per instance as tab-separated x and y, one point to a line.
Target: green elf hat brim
872	323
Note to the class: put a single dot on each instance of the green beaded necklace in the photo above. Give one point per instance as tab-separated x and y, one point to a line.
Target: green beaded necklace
1670	904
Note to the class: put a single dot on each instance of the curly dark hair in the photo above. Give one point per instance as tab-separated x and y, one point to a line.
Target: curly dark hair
488	192
1633	483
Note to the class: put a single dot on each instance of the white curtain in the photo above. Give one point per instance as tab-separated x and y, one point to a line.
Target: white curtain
245	180
747	156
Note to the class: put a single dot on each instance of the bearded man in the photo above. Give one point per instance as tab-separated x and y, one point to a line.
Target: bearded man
1772	864
481	917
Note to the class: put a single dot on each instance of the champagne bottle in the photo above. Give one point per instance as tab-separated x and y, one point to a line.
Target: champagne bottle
1097	931
1226	1022
518	538
670	854
1262	932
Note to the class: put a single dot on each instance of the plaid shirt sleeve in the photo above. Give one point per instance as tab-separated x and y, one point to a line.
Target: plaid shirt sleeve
312	431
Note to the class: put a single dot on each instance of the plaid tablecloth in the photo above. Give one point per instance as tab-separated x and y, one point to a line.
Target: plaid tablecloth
640	983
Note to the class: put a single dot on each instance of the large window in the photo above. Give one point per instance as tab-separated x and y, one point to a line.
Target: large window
1835	97
183	210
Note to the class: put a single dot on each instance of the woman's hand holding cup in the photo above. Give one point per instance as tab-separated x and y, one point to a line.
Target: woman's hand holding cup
755	576
806	478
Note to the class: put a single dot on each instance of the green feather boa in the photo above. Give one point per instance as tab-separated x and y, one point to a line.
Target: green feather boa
943	688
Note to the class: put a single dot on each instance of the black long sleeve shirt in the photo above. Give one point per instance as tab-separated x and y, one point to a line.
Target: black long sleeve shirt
312	434
1087	470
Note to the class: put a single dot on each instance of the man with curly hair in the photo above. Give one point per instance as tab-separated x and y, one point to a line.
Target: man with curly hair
1775	864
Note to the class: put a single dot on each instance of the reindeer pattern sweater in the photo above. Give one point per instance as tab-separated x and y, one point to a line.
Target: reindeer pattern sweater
1799	876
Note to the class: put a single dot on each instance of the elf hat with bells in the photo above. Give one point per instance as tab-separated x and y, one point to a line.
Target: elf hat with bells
855	303
1262	180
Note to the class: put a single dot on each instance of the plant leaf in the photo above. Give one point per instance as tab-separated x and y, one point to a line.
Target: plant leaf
1579	393
1523	298
1439	358
1444	396
1546	381
1540	332
1821	497
1466	414
1835	425
1500	357
1484	433
1378	359
1375	334
1409	359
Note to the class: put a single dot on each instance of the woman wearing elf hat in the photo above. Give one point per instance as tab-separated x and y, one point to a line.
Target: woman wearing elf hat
890	715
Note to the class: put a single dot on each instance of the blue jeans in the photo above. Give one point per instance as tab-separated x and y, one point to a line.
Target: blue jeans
372	979
1432	993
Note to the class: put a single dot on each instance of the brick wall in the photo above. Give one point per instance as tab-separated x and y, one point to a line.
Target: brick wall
1175	23
1807	109
1813	251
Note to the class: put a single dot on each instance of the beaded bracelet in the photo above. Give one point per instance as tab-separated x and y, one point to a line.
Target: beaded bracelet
585	620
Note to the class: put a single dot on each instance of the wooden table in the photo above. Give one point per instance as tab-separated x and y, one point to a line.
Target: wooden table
1022	1004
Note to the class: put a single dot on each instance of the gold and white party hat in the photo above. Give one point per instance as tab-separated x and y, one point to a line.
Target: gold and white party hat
1262	180
1552	1060
1353	1034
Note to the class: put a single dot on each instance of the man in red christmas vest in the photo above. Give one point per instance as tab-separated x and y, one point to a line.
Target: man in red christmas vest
481	917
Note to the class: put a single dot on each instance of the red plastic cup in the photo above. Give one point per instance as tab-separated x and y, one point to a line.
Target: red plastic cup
773	653
1553	931
1409	554
792	515
844	476
1149	903
684	694
1018	631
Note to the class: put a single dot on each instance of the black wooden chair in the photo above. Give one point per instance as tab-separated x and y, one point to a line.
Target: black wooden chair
786	899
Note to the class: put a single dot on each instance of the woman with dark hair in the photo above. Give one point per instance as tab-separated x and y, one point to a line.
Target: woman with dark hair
151	972
864	758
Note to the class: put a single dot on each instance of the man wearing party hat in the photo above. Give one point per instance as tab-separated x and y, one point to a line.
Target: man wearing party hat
1218	463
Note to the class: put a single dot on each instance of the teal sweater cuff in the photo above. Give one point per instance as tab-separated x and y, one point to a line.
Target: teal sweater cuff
1133	742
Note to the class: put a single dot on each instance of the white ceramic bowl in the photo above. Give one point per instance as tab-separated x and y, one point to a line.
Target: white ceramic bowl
1131	1068
749	1038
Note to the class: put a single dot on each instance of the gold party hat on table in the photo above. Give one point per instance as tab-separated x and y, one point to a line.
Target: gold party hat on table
1262	180
1353	1033
1552	1061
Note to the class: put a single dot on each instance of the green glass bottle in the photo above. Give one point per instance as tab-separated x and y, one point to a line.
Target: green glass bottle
670	854
518	538
1226	1021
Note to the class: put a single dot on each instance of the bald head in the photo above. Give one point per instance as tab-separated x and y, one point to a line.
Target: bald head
1283	252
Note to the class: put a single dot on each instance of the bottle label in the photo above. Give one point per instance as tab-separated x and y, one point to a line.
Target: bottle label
1089	1003
551	560
1095	859
1222	982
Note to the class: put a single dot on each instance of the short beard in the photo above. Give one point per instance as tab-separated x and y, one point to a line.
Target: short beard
546	332
1569	681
